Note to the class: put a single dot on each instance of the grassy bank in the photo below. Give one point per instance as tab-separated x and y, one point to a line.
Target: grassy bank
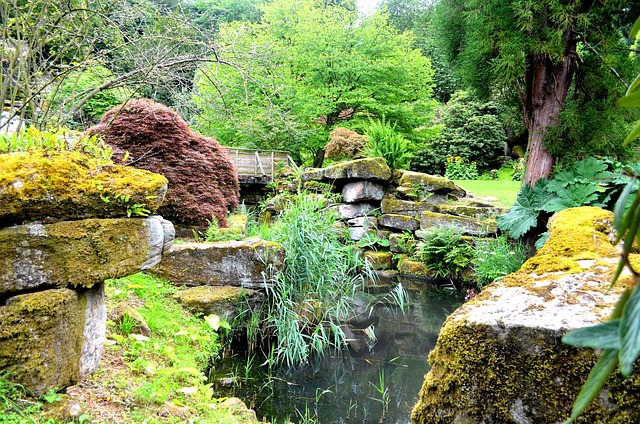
152	369
504	190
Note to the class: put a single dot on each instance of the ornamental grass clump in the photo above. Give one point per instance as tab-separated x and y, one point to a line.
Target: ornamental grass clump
315	292
493	259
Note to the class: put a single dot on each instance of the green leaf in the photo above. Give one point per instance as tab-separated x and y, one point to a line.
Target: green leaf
629	332
600	336
632	135
518	221
621	204
579	194
561	180
630	100
597	377
633	34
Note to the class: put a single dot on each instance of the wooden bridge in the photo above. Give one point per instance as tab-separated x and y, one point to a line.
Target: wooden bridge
257	166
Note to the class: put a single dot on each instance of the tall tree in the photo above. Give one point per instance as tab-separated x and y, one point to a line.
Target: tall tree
306	67
533	47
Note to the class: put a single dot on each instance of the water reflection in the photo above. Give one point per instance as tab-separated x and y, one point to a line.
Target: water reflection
378	382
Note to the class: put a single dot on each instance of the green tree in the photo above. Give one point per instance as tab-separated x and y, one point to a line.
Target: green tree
534	48
307	67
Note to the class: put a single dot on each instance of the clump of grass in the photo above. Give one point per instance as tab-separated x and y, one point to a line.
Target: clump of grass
316	289
495	258
57	140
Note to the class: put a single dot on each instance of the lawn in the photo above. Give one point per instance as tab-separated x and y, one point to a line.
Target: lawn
504	190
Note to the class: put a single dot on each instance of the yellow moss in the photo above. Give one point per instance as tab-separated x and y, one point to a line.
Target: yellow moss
378	259
35	185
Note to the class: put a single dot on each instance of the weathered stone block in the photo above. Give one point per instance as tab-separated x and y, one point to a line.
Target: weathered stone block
469	211
232	263
470	226
223	301
374	169
79	253
362	191
379	259
69	185
95	328
354	210
406	207
398	222
363	221
499	358
400	243
433	183
408	267
41	339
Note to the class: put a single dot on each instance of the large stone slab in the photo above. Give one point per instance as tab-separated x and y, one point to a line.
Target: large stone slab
224	301
362	191
470	226
471	211
69	185
499	358
233	263
79	253
42	339
406	207
373	169
399	222
429	183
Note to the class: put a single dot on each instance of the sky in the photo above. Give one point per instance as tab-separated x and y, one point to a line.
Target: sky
367	6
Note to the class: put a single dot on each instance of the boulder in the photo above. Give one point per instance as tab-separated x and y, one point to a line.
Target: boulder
406	207
79	253
412	268
499	358
471	226
470	211
372	169
248	263
49	338
399	222
356	233
431	183
378	259
362	191
224	301
354	210
69	185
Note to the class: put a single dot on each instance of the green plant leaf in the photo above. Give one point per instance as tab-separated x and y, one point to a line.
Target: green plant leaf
561	180
632	135
597	377
600	336
578	194
629	332
630	100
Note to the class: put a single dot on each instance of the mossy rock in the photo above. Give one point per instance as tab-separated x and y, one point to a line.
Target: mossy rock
406	207
78	253
399	222
429	183
470	211
228	263
379	259
41	339
69	185
224	301
499	358
372	169
412	268
471	226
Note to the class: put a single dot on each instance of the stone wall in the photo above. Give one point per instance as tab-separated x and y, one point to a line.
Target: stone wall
398	206
64	230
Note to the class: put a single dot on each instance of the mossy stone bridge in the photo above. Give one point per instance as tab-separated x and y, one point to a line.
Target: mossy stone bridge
257	166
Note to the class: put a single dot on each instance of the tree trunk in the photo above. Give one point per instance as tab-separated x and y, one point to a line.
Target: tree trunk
547	84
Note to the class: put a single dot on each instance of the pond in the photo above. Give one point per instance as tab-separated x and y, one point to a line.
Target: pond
378	381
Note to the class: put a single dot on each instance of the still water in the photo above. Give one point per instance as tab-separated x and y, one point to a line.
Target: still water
378	382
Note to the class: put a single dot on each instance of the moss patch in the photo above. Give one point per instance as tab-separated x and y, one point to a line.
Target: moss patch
70	185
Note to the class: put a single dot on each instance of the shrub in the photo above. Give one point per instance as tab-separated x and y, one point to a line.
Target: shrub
385	142
472	130
495	258
444	251
60	139
203	182
458	168
344	144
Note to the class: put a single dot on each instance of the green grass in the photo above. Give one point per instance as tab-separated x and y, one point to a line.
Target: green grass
504	191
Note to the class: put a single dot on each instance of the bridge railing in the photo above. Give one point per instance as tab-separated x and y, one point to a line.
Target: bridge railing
259	163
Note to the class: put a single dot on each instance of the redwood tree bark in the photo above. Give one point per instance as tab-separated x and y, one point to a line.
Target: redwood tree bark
547	84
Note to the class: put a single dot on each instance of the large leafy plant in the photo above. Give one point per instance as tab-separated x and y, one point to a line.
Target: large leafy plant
444	251
589	182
